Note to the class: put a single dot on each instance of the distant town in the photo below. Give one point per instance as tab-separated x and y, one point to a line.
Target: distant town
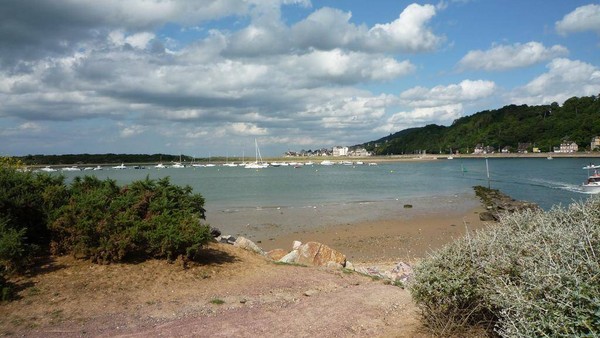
566	147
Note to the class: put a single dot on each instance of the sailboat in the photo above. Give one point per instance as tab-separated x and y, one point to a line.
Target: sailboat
257	164
227	164
209	164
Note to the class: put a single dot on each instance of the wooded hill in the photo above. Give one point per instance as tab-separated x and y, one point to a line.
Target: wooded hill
544	127
101	159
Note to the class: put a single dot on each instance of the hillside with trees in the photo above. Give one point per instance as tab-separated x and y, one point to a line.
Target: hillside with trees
544	127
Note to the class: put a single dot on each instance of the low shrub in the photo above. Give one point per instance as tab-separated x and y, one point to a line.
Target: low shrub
535	274
27	201
108	223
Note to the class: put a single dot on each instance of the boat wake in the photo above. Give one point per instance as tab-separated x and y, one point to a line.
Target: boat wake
562	186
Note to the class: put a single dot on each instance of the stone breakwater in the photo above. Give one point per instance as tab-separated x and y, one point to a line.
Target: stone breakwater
497	203
320	255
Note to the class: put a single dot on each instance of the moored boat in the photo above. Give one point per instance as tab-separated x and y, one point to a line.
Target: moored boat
73	168
47	169
258	163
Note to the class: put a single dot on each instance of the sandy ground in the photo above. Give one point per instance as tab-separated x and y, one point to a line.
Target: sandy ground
377	241
235	293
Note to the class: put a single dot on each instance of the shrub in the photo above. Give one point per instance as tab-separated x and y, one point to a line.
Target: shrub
26	203
535	274
108	223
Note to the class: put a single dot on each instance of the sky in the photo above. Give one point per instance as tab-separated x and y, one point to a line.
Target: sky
207	78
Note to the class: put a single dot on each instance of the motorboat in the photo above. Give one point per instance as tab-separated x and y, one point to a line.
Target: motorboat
592	184
120	167
97	168
326	162
160	166
177	165
73	168
47	169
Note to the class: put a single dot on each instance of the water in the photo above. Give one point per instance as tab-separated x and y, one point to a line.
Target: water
546	182
281	200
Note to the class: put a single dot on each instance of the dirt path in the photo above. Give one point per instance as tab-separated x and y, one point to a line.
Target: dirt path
236	293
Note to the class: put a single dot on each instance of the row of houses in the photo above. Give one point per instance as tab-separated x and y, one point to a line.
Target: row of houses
335	151
565	147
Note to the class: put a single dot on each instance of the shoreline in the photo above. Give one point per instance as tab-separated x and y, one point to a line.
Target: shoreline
375	159
382	231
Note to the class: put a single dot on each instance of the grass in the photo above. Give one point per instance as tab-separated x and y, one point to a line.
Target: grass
217	301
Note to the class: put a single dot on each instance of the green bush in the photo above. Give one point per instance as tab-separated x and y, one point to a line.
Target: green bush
534	274
27	202
108	223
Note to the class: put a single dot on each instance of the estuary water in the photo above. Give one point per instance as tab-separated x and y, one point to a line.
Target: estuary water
317	195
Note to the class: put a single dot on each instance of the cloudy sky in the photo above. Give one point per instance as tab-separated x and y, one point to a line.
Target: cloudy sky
208	77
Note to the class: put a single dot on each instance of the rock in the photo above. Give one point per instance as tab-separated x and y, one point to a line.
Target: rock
401	272
276	254
317	254
215	232
333	265
487	216
349	265
227	239
246	244
497	202
371	271
407	206
309	293
296	245
290	257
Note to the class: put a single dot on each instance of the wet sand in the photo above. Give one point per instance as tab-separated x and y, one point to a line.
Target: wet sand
369	231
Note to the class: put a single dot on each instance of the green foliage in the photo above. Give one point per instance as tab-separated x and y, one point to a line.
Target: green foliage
10	162
108	223
102	158
26	203
535	274
546	126
12	246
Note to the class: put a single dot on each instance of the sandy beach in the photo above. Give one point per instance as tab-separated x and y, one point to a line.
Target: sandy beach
365	232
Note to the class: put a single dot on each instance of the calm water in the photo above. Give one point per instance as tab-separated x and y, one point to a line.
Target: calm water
546	182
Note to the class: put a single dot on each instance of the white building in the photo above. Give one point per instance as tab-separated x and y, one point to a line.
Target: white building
340	151
567	147
595	143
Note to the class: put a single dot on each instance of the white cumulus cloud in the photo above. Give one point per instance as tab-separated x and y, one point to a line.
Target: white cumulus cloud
439	105
329	28
503	57
584	18
565	78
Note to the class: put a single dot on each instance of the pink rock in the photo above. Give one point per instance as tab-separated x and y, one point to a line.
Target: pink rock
276	254
317	254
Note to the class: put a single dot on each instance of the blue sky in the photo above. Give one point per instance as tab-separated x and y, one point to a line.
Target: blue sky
208	77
